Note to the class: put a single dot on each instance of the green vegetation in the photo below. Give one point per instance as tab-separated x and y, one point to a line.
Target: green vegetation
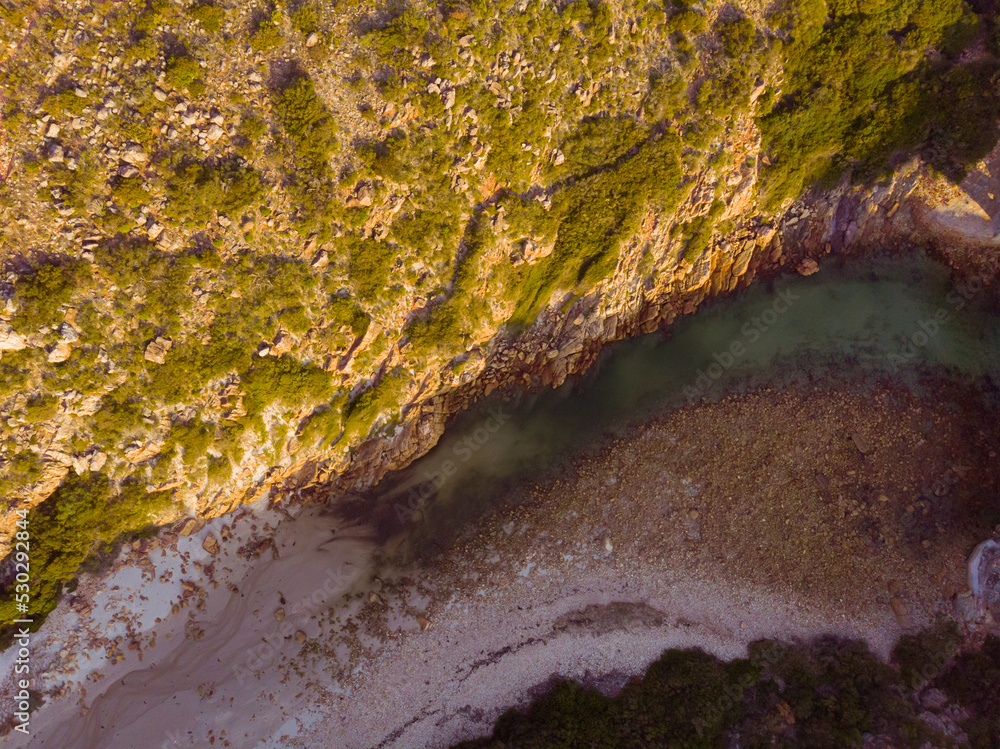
304	117
283	380
859	88
266	31
829	693
85	516
199	188
43	289
184	73
385	396
208	15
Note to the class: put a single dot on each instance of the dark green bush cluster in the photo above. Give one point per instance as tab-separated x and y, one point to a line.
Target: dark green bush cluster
199	188
284	380
40	292
265	32
210	16
827	694
594	215
384	396
86	515
184	72
598	142
306	120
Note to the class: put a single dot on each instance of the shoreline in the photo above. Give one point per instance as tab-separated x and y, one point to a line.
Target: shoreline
668	535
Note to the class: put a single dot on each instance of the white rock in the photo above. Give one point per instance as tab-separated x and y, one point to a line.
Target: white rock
68	333
214	134
98	460
134	155
156	351
10	340
60	352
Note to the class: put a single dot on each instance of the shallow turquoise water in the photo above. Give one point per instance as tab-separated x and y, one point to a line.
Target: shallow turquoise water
894	318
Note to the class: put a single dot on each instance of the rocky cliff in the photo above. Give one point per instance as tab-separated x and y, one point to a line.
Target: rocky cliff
273	248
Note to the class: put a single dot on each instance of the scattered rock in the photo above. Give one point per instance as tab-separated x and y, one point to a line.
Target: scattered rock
60	352
210	544
933	699
156	351
135	156
10	340
190	526
861	443
214	134
98	460
807	267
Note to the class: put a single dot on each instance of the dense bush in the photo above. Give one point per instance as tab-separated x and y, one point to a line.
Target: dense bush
827	694
83	516
40	292
210	16
305	118
199	188
859	88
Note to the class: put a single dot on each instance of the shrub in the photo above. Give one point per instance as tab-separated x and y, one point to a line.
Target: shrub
83	516
306	120
43	289
199	188
284	380
369	263
597	142
130	191
184	72
41	407
266	32
208	15
386	395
